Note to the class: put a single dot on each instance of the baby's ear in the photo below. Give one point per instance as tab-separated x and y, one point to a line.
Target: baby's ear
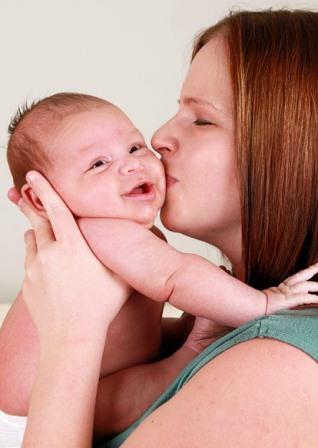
32	199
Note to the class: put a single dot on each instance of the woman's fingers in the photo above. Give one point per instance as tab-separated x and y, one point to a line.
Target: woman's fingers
62	221
42	227
30	248
14	195
305	274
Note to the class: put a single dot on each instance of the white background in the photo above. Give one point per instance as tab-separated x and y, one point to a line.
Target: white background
133	53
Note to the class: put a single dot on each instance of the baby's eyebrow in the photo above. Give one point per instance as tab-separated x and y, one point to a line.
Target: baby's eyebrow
86	148
138	133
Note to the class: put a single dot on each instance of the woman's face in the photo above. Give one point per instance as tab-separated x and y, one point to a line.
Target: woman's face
197	149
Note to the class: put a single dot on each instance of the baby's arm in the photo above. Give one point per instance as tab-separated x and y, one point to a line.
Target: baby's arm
188	281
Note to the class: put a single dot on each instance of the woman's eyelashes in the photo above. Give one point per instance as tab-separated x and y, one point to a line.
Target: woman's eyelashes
202	122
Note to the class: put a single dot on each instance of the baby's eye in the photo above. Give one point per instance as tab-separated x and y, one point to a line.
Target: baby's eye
134	148
99	163
200	122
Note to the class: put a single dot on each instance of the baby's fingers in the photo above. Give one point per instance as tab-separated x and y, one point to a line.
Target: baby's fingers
304	287
302	299
301	276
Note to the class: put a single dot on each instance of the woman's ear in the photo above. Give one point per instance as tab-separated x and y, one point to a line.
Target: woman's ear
31	199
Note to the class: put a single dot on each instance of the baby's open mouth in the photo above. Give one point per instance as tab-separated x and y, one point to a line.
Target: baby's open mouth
143	190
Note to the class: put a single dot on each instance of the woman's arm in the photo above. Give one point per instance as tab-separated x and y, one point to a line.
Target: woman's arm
63	288
188	281
19	353
62	406
125	395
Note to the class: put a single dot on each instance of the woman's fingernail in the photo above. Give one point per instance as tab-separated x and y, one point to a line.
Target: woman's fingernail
30	177
26	235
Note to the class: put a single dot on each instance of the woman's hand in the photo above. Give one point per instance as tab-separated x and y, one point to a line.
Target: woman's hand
71	296
204	333
14	195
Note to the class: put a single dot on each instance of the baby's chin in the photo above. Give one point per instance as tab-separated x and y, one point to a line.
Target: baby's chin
148	223
146	218
145	221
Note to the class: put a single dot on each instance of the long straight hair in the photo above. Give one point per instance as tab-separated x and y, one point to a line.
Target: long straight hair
273	59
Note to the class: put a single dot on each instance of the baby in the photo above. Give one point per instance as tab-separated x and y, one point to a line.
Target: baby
99	163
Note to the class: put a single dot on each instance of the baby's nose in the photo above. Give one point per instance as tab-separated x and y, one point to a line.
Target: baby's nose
130	165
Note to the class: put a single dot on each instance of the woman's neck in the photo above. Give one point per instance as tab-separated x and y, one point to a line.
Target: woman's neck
230	244
239	271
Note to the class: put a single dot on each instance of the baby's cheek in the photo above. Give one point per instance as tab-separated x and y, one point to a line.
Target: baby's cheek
83	207
162	199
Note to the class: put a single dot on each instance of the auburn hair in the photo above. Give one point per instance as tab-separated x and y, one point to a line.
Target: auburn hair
273	58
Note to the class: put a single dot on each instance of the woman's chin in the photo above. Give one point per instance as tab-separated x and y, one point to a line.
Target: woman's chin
171	221
176	222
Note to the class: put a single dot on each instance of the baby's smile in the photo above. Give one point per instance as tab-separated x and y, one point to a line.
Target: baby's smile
144	191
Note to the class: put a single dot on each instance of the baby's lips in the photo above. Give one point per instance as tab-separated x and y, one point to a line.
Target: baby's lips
142	187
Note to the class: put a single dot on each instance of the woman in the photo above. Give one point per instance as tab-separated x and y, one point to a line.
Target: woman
240	159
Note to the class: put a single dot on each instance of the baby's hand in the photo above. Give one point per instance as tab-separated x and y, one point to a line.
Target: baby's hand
294	291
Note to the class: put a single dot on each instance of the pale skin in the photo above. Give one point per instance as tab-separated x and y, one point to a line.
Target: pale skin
99	157
83	147
101	167
52	357
214	395
80	146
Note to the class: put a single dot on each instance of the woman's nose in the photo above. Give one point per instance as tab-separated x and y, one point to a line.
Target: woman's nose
131	164
164	140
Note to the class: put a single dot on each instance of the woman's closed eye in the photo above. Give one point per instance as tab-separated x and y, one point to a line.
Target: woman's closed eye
202	122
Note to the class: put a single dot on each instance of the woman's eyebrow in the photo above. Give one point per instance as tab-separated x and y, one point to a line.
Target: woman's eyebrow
188	100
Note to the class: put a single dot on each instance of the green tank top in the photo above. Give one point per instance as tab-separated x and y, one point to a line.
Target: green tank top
298	328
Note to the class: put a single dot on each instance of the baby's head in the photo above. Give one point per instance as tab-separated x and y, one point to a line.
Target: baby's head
92	155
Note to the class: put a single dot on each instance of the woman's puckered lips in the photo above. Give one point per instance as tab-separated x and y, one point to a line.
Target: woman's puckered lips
170	180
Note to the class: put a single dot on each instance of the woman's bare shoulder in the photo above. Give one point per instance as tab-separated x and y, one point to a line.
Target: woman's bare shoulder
255	393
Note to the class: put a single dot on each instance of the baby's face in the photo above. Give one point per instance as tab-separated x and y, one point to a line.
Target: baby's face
102	167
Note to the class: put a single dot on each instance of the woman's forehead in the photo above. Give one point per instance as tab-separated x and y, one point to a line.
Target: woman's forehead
208	78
